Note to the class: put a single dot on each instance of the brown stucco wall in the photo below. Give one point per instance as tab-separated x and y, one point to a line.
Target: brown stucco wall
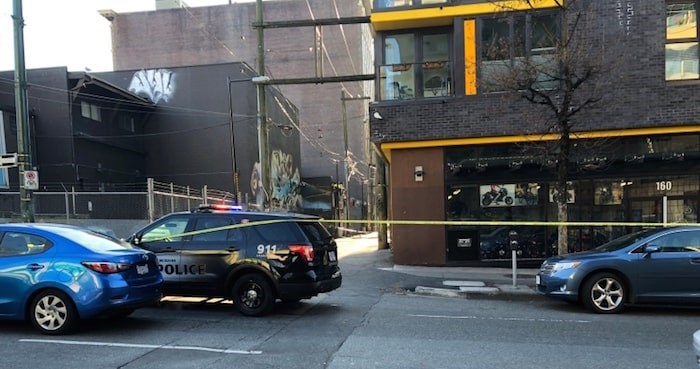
412	200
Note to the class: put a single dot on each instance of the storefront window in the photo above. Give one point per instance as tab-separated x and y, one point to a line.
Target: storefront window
643	182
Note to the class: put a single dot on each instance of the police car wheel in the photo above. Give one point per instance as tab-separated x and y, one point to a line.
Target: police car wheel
252	295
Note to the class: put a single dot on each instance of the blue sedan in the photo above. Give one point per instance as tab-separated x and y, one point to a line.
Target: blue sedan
54	275
656	266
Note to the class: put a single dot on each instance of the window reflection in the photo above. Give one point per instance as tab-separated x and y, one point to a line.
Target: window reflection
682	61
415	65
681	41
385	4
681	21
519	43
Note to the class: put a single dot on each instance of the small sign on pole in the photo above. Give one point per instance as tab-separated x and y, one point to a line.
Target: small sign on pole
8	160
31	180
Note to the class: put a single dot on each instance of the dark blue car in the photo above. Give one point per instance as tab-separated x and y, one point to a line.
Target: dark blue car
656	266
53	275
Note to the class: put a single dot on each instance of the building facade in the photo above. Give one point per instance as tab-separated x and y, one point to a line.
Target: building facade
461	149
218	34
111	131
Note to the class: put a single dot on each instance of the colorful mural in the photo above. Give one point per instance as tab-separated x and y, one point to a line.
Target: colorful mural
286	183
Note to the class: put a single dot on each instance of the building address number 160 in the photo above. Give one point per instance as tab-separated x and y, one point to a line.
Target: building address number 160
664	185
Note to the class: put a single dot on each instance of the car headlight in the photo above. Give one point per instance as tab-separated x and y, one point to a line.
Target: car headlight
565	265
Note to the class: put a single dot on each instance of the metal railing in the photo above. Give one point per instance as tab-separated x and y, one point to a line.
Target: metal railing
144	203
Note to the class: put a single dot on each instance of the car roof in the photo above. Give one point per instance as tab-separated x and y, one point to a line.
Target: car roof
285	215
48	227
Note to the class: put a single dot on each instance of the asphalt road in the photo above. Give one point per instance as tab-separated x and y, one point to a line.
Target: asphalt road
373	321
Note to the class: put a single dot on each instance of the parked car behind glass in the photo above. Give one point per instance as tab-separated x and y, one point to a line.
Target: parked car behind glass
659	266
53	275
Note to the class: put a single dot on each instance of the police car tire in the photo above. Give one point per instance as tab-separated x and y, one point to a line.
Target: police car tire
253	295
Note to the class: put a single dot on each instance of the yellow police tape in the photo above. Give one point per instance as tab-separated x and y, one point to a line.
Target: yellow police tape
430	222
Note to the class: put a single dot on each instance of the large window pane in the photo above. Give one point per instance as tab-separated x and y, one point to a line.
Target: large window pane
519	36
399	49
681	21
397	81
682	61
397	77
384	4
545	31
435	67
495	36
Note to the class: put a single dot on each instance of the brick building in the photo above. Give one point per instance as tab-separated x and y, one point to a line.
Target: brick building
216	34
636	150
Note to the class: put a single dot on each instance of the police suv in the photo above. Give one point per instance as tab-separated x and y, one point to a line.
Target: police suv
252	258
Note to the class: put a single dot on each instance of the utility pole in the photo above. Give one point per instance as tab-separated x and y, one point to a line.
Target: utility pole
346	159
22	115
263	140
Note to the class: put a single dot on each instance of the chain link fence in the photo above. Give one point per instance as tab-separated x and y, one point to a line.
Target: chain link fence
119	211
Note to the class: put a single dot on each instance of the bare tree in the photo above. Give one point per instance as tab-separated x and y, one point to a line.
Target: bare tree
555	69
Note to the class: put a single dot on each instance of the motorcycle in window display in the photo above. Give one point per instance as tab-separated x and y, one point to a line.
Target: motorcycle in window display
497	195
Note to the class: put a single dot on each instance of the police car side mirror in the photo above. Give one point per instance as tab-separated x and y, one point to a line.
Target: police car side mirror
135	239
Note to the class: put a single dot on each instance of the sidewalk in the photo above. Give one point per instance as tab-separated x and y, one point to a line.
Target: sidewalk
460	282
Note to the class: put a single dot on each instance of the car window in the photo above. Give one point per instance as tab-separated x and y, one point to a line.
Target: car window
172	226
687	241
282	231
203	223
14	243
315	232
626	240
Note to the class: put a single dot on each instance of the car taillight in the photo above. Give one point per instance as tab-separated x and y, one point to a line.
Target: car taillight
106	268
305	251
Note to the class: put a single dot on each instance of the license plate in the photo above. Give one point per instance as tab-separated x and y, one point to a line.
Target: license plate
331	256
537	279
142	269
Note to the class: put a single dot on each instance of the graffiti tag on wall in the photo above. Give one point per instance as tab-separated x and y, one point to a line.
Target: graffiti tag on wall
625	13
157	84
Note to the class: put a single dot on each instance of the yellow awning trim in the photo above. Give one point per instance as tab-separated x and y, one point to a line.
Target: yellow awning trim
443	15
467	141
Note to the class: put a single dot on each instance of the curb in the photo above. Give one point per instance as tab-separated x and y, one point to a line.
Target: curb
498	290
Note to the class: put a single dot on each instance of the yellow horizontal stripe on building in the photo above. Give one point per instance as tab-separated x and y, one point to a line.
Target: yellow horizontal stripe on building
443	15
387	147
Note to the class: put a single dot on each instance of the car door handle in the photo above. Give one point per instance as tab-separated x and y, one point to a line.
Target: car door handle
34	267
695	261
232	249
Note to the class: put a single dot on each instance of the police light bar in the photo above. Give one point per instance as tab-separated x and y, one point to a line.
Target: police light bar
220	207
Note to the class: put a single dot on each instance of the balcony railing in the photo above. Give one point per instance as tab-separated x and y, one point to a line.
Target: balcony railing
391	4
415	80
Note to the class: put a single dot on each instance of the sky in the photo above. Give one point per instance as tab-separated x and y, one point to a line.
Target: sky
69	33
